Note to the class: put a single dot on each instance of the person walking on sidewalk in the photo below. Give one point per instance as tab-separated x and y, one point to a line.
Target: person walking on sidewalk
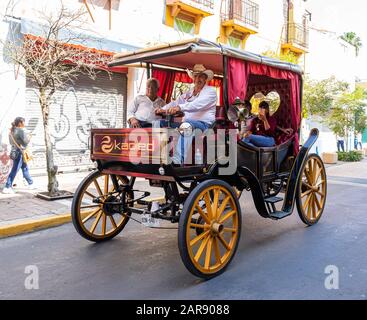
18	133
340	143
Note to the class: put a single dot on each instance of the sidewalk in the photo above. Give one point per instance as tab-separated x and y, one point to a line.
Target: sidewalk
23	211
24	207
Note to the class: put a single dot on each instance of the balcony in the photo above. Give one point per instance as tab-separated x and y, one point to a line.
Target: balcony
191	10
241	15
239	19
296	39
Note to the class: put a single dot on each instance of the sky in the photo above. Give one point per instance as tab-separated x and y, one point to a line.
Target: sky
341	16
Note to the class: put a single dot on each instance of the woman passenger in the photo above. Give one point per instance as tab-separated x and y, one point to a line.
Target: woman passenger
261	132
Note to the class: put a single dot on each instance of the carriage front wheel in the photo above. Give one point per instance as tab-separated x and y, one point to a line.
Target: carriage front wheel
209	228
102	220
311	193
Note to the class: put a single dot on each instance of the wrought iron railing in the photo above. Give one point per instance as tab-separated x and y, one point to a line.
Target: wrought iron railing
245	11
205	3
297	34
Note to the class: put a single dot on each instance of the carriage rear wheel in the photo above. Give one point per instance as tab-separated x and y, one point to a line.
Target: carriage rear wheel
207	253
312	189
99	221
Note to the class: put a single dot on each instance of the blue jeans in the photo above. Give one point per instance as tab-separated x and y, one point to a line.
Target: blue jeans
184	141
259	141
17	165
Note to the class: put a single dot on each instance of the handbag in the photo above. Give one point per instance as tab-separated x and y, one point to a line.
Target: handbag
13	154
26	154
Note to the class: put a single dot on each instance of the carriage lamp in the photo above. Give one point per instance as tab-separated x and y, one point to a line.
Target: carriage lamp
185	129
161	171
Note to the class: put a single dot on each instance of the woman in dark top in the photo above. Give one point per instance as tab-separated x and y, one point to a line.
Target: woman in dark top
261	131
18	134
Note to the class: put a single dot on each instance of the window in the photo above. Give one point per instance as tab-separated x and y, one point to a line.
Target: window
234	42
184	23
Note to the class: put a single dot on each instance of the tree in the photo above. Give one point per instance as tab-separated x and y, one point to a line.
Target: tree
348	114
52	60
319	96
353	39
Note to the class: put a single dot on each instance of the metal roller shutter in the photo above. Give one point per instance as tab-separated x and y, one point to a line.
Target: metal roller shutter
80	106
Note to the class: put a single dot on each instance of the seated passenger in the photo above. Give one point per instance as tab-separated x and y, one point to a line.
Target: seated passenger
198	106
261	132
141	113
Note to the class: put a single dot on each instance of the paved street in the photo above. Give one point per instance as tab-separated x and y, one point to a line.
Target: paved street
275	259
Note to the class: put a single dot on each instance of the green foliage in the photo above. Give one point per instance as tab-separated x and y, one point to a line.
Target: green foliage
353	39
350	156
348	113
319	96
288	57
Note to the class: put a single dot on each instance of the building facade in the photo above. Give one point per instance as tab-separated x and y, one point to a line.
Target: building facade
278	26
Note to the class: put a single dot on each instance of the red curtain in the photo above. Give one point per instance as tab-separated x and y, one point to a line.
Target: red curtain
166	79
238	77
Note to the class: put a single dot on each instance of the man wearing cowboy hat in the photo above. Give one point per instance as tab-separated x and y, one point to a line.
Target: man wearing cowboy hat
198	105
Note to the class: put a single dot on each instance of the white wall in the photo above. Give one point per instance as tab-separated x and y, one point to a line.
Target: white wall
12	101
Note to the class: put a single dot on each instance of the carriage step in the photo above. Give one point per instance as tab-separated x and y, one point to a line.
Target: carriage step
278	215
273	199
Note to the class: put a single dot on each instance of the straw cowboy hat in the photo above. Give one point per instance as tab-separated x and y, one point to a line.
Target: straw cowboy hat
199	69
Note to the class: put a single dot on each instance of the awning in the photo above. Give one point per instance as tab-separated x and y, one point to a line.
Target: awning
102	45
90	41
188	52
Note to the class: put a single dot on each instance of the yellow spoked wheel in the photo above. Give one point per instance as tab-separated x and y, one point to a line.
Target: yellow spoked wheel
312	189
104	220
209	228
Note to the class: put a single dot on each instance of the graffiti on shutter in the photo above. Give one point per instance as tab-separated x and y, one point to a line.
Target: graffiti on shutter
74	110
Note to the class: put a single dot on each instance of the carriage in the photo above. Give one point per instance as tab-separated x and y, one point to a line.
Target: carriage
203	196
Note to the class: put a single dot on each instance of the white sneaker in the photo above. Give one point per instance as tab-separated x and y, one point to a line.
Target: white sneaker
31	187
8	191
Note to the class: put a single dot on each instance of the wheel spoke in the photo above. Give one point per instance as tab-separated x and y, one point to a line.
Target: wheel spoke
208	254
308	176
306	193
106	183
319	183
208	205
203	215
104	222
90	206
198	238
217	250
309	208
314	165
321	193
233	230
224	243
305	205
222	206
90	194
200	226
227	216
96	222
98	187
113	222
317	174
92	214
215	203
201	248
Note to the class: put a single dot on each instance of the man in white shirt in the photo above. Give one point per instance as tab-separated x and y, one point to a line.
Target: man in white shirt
141	113
198	106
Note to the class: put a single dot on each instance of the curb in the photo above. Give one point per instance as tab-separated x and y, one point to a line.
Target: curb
34	225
